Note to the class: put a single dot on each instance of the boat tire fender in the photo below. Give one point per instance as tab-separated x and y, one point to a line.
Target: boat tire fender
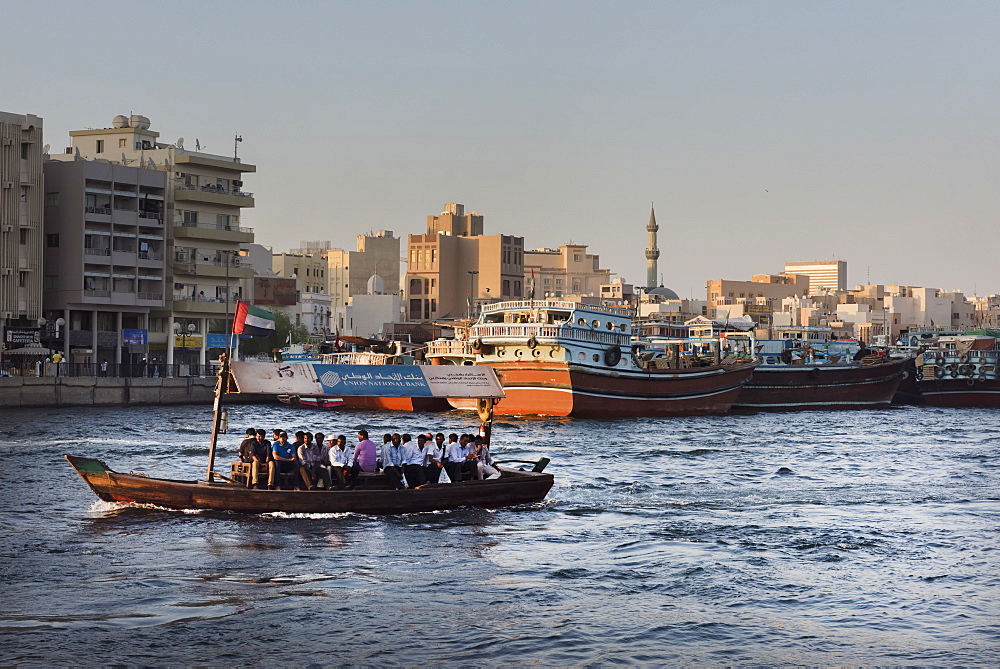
814	372
963	358
938	372
612	356
477	344
532	342
919	375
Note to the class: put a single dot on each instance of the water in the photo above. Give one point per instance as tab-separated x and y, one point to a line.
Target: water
814	538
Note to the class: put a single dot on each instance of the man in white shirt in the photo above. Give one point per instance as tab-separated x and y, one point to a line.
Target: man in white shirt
434	457
340	458
413	460
455	457
392	461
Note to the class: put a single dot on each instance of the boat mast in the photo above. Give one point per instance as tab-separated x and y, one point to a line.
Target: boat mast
221	385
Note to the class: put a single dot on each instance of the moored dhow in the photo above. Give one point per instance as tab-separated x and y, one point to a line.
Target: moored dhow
961	371
573	359
802	376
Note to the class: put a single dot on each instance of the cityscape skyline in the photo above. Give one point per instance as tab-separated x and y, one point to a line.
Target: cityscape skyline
763	134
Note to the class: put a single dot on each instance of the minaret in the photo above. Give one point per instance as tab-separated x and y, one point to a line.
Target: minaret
652	253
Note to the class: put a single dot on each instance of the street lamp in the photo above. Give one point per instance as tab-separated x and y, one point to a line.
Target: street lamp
472	288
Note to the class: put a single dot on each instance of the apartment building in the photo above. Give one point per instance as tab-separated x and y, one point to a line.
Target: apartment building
727	298
205	199
21	241
312	303
105	256
349	271
824	275
568	272
454	267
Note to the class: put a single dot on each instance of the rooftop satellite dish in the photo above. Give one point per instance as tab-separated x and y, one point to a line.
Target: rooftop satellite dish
179	143
45	149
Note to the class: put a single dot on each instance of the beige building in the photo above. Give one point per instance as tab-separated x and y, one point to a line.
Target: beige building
454	267
824	275
728	298
21	241
312	301
204	203
568	272
105	256
349	271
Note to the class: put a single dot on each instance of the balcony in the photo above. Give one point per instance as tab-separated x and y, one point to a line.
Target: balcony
102	254
152	215
230	233
185	303
96	293
213	195
100	211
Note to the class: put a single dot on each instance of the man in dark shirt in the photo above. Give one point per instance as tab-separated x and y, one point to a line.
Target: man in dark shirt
261	454
246	446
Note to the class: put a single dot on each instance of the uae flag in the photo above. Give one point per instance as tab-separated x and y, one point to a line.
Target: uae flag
252	321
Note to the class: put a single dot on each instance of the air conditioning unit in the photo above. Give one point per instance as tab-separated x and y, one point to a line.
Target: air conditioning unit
7	141
8	228
7	315
8	184
7	271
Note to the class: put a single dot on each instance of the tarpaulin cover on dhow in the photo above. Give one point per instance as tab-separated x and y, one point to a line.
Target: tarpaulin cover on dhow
294	378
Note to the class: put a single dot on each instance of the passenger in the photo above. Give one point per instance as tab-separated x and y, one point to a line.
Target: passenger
392	461
324	456
311	464
486	466
261	456
282	460
364	459
339	458
434	459
471	464
413	461
454	458
386	440
246	446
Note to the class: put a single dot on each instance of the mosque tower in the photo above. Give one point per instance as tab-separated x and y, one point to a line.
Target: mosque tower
652	253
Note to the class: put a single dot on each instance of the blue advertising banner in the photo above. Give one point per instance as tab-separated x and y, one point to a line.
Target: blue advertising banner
140	337
373	380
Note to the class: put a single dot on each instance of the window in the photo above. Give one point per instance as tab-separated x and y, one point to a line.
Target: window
24	150
222	220
22	279
506	287
190	217
51	199
100	146
122	143
24	193
576	257
52	241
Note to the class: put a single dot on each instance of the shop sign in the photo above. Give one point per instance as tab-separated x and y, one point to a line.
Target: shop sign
23	336
137	337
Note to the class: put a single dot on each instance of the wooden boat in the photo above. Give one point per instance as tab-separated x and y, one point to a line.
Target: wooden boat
221	493
817	376
961	371
512	488
573	359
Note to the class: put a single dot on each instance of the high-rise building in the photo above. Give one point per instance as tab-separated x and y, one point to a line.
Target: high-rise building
21	241
204	203
105	257
454	267
824	275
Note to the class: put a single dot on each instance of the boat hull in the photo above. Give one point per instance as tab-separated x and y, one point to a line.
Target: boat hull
961	392
562	389
512	488
821	387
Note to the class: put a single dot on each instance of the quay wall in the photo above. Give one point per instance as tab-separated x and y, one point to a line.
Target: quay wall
70	391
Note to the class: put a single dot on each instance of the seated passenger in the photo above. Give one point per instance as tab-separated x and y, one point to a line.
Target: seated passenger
246	446
454	457
311	463
434	458
339	457
261	456
392	461
485	461
413	461
364	459
282	460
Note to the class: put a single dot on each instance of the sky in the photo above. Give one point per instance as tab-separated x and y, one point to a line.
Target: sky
763	132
